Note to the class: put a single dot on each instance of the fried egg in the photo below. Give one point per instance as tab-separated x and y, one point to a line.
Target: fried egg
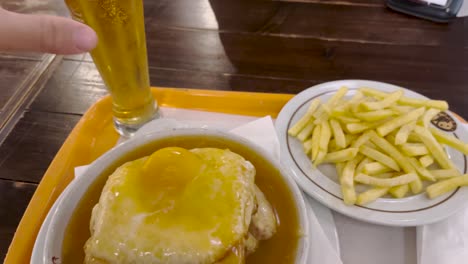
175	206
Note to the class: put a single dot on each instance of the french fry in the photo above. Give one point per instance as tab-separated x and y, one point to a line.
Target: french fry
438	104
362	163
315	142
373	92
359	157
379	156
370	145
434	148
392	151
354	100
344	107
344	119
355	128
428	115
356	106
323	112
338	133
338	111
444	174
296	128
341	155
332	147
371	195
386	102
441	105
399	121
450	140
307	146
374	115
325	135
386	175
399	191
416	185
348	139
413	138
320	157
414	149
391	138
402	135
375	168
347	182
445	186
374	181
401	109
306	131
357	95
426	160
337	96
339	168
361	140
423	172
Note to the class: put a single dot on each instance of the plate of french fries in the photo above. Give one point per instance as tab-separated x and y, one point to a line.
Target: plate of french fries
376	152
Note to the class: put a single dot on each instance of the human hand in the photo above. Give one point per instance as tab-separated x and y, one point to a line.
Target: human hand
43	33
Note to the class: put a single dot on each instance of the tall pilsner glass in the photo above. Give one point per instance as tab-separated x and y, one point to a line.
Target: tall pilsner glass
120	57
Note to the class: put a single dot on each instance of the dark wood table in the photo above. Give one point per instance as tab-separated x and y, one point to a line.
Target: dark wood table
279	46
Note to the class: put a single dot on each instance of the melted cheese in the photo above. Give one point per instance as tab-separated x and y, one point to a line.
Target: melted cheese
175	206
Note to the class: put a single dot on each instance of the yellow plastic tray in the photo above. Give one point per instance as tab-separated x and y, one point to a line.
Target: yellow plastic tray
94	134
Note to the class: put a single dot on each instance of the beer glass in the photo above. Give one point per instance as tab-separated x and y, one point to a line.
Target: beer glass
120	57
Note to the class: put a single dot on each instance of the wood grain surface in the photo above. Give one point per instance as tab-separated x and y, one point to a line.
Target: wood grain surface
243	45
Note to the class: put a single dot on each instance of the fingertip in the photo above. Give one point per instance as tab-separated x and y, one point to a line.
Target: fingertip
84	38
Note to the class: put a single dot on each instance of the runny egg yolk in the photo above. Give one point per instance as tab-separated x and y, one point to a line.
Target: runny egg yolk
164	176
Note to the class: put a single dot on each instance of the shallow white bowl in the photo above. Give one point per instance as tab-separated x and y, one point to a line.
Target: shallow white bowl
65	206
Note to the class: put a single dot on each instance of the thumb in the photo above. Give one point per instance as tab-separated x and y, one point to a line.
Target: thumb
42	33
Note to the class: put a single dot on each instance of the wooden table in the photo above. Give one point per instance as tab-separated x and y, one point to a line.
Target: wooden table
244	45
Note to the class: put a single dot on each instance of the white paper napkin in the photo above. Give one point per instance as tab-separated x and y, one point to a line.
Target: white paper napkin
463	10
444	242
261	132
461	13
437	2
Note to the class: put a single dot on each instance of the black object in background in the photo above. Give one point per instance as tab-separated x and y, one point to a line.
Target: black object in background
433	12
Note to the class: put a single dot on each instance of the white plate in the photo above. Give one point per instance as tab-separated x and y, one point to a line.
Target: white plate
321	183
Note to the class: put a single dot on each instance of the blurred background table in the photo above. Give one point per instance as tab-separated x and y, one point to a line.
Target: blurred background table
282	46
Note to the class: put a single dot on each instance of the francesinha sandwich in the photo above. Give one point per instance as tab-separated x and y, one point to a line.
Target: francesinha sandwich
180	206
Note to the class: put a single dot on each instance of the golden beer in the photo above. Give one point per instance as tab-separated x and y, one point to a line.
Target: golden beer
120	57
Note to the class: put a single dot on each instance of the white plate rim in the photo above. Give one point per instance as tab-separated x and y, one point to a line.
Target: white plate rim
436	213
